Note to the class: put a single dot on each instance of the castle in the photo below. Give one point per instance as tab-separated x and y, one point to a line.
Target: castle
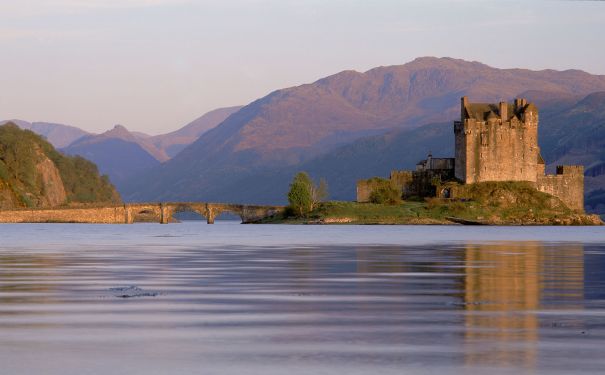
493	142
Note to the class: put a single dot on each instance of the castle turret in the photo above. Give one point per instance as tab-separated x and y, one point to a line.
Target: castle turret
463	104
504	111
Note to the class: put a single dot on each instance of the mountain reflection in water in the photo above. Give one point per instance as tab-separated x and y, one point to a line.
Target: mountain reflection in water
457	307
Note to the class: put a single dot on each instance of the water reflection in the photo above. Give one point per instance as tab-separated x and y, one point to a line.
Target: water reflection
505	285
23	276
501	287
334	309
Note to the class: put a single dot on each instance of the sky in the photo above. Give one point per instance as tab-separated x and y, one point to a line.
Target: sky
155	65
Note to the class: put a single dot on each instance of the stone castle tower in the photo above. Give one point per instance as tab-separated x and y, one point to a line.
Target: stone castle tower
494	142
497	142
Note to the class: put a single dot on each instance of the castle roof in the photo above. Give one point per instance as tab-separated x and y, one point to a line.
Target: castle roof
485	111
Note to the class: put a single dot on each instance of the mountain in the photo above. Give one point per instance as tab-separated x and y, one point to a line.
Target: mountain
34	174
570	134
122	154
57	134
121	133
341	168
292	127
172	143
118	153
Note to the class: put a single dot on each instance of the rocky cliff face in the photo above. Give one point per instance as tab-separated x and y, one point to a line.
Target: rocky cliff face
53	192
49	191
7	198
33	174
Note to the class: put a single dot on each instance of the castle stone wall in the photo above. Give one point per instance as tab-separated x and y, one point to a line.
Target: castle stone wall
402	181
497	143
567	185
365	189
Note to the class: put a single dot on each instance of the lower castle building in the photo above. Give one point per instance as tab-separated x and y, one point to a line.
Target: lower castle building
493	142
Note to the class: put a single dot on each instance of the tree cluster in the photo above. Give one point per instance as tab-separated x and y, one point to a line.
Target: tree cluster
304	195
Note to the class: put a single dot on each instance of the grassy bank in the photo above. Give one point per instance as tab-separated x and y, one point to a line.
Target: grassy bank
486	203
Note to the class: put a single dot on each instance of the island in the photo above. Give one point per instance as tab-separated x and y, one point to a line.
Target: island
497	177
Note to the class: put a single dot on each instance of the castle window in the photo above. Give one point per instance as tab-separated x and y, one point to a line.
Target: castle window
484	139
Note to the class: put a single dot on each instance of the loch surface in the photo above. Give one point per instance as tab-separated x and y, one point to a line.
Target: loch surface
192	298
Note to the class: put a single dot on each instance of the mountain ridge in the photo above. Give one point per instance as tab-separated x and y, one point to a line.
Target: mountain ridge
291	126
59	135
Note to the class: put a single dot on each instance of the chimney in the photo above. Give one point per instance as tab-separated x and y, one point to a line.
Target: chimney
463	104
504	111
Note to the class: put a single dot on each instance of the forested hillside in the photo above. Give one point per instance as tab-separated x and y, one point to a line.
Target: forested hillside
34	174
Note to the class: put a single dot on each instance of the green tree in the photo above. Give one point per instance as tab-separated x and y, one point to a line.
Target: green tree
304	195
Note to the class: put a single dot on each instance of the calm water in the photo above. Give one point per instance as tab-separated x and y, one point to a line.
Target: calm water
248	299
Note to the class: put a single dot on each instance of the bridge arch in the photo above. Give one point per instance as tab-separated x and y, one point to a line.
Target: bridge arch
163	212
142	212
169	209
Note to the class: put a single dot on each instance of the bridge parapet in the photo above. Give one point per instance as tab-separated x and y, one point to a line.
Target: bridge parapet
137	212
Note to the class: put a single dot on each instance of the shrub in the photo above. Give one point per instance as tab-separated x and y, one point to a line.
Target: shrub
385	193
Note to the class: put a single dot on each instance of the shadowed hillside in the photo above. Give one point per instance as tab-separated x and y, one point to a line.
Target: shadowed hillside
577	136
118	154
174	142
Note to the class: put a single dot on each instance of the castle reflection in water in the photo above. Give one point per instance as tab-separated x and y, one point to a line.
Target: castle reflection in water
504	289
493	304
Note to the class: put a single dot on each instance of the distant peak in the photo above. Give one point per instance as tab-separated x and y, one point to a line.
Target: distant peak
443	61
118	131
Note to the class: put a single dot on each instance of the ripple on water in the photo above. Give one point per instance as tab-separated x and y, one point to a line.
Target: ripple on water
275	299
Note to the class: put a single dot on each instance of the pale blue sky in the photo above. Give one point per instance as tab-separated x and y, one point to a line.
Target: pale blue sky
154	65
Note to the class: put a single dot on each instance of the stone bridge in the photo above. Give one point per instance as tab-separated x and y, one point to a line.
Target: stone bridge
138	212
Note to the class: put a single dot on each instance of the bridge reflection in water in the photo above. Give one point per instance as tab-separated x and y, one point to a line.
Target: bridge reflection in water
137	212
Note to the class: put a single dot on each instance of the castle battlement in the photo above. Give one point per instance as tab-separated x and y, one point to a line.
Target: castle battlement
574	170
